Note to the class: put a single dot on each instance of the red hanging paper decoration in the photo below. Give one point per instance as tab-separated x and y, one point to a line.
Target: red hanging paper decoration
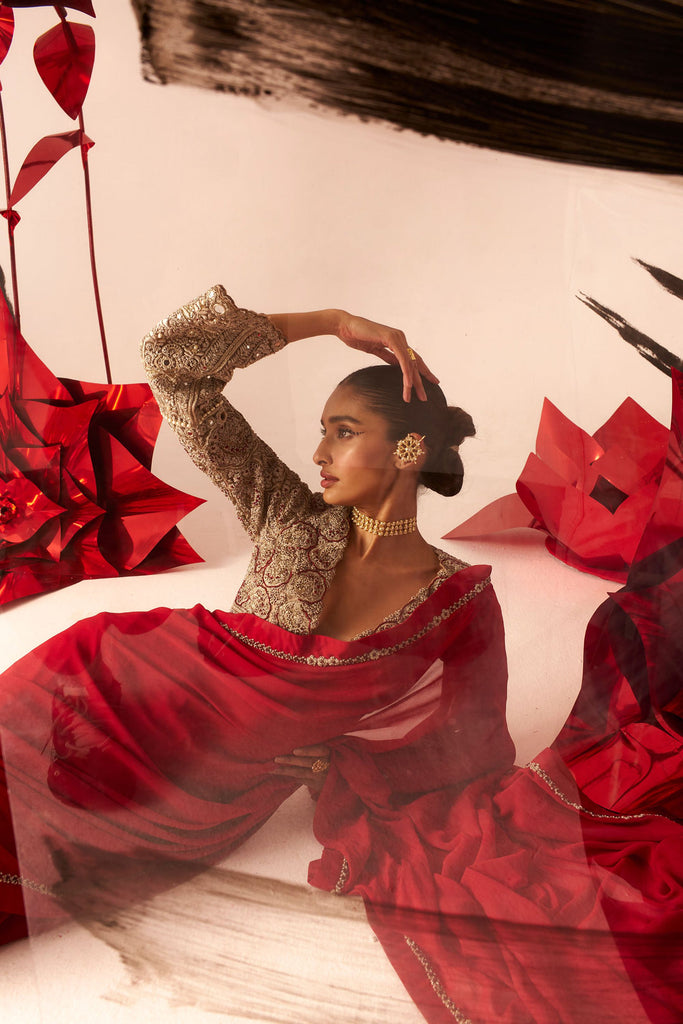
6	30
84	6
593	496
77	497
42	158
64	57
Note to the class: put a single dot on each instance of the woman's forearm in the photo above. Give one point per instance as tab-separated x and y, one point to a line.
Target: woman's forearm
296	326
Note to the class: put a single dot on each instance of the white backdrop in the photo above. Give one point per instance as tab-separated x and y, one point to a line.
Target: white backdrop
477	255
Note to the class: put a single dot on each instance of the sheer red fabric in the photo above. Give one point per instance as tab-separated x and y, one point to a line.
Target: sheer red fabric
551	893
496	896
153	733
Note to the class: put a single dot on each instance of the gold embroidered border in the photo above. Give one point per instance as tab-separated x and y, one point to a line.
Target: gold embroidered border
25	883
610	815
435	982
373	655
343	878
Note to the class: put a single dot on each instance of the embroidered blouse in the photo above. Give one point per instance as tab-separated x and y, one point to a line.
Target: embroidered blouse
189	357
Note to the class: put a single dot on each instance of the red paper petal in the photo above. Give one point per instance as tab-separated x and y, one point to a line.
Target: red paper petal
127	411
80	512
64	57
68	427
6	30
628	470
42	158
566	448
40	465
24	509
84	6
141	508
506	513
171	551
632	429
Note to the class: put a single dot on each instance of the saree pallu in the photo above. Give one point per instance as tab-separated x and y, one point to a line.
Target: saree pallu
499	893
152	735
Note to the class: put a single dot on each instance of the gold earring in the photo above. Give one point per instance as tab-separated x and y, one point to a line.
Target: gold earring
409	448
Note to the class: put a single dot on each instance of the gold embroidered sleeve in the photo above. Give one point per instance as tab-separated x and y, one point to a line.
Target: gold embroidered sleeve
189	357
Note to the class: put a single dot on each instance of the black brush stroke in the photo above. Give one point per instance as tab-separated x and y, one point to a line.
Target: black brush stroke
645	346
597	82
673	284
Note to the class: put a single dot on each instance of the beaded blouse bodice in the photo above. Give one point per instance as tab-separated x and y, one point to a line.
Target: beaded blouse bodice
189	357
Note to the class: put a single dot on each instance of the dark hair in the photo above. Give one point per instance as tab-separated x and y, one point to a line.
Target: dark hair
443	426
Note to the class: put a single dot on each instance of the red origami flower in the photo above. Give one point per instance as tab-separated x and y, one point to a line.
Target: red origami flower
77	498
593	496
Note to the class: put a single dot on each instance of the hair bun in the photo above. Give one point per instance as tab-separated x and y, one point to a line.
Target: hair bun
444	426
459	425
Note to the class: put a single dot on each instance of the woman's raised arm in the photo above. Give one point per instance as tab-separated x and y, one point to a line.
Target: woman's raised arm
386	343
189	357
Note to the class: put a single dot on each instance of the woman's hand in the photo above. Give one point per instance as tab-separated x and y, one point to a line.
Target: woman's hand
308	764
389	344
385	343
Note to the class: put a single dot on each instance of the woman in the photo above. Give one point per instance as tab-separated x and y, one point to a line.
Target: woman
359	660
363	564
112	737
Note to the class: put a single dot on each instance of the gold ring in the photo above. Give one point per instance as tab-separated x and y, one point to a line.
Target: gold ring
321	765
411	354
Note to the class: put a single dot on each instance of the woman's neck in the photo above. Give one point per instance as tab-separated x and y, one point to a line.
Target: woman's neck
368	539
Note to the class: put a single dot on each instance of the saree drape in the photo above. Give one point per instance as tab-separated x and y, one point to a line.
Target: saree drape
153	734
549	893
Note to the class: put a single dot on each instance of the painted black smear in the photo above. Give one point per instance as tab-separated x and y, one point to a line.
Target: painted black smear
673	284
648	349
597	82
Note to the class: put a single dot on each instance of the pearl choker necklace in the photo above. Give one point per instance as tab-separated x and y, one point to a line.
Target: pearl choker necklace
395	528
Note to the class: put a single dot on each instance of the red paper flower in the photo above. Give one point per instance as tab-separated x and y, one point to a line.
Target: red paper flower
77	497
593	496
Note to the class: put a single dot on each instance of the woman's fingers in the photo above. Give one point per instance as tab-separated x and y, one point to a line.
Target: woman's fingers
318	750
305	763
389	344
411	375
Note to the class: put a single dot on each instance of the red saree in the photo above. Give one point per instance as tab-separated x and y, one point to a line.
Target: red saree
153	734
499	893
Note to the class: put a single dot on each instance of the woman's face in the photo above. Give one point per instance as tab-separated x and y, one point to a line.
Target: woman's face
356	459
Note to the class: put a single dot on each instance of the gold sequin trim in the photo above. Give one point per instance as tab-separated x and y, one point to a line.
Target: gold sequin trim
343	878
610	815
25	883
374	655
435	982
